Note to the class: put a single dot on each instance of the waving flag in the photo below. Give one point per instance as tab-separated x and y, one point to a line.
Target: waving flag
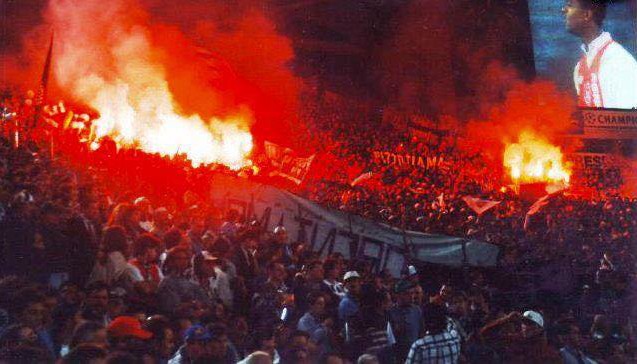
478	205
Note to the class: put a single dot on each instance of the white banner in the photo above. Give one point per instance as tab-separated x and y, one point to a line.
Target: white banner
329	231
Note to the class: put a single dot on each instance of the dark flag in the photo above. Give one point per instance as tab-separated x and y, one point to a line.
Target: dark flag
44	82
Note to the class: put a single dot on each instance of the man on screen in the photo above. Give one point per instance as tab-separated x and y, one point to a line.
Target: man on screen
606	75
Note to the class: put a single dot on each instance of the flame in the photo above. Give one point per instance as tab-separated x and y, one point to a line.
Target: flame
113	67
533	159
139	111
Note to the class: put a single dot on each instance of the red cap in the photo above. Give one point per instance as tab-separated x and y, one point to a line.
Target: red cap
125	326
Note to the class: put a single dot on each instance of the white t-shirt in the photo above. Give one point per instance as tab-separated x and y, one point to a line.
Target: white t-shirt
617	73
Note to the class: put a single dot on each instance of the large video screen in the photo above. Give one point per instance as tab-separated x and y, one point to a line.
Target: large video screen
604	32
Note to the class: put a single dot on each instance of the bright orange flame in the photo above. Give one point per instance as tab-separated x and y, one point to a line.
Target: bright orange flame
533	159
146	119
112	66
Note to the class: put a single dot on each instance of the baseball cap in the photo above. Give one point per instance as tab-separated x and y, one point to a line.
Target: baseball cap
534	316
351	275
197	333
411	271
127	326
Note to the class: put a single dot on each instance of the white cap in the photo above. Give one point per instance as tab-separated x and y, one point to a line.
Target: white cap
351	274
535	317
411	270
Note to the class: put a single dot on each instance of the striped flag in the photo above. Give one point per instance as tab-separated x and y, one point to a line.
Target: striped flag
44	84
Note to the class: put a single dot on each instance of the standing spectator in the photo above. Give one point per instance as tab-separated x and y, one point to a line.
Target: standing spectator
176	287
316	324
82	234
196	340
349	305
163	337
372	332
243	257
268	301
114	268
161	222
146	256
57	246
405	317
125	333
440	344
312	282
95	305
208	275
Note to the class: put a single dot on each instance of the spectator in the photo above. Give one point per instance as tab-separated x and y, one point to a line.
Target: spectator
349	306
406	318
196	340
125	333
163	337
440	344
85	353
268	301
89	332
176	287
145	261
316	324
114	268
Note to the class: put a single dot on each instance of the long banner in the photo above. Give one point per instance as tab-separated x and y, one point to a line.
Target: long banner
409	160
327	231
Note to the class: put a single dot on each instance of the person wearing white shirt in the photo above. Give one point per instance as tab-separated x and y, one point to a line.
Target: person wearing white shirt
606	74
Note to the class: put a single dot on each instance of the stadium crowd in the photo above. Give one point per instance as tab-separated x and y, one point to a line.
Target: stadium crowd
113	256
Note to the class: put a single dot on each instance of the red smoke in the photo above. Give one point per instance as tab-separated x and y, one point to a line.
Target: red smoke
243	69
538	107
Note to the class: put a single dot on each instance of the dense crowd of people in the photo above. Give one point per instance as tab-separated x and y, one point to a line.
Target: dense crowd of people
110	256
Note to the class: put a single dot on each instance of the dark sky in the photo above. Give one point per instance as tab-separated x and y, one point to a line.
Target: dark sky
359	48
16	18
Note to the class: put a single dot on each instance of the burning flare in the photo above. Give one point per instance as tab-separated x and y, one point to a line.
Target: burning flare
106	59
533	159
